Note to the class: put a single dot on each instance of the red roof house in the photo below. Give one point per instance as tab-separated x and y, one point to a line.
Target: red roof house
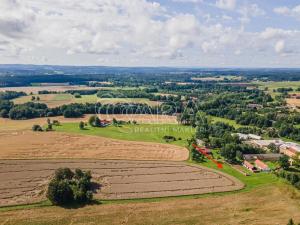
261	165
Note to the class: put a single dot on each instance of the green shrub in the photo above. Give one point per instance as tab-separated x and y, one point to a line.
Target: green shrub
37	127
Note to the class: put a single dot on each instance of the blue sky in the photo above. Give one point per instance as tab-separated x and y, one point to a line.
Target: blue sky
181	33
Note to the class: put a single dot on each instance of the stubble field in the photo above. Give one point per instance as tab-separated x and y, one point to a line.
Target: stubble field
25	181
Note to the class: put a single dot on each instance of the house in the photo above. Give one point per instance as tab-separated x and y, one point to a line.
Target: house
249	166
269	157
105	123
261	165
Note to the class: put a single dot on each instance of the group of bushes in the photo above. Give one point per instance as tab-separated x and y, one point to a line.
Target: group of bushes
68	187
37	127
292	177
169	138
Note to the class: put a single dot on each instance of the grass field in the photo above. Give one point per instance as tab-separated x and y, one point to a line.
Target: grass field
54	100
271	85
141	132
215	119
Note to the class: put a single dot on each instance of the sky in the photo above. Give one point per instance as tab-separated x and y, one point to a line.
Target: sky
179	33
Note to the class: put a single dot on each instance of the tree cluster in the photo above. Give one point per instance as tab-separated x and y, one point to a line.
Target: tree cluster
68	187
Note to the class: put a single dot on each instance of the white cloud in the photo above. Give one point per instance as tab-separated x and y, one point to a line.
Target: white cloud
249	11
279	46
270	33
284	10
188	1
131	31
226	4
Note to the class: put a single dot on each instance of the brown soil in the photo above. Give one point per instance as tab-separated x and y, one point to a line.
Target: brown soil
43	145
25	181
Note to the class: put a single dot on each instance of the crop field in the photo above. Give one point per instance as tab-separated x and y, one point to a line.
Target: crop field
24	181
54	100
51	100
9	125
130	132
274	204
44	145
36	89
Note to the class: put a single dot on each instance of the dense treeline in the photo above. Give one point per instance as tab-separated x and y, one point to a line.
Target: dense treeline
8	95
33	110
290	176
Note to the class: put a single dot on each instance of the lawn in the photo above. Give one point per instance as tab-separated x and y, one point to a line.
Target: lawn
130	132
253	181
215	119
272	85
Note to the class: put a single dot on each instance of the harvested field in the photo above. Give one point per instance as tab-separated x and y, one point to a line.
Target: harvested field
7	124
44	145
293	102
25	181
36	89
269	205
55	100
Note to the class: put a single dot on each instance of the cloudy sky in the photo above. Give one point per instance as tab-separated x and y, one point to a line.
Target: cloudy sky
190	33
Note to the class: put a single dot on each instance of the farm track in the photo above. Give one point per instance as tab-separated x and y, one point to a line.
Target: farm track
25	181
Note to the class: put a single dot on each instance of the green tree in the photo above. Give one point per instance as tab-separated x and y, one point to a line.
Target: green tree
97	122
37	127
81	125
60	192
273	148
67	187
296	160
291	222
229	152
284	162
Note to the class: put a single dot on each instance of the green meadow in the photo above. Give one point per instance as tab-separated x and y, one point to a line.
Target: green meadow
130	132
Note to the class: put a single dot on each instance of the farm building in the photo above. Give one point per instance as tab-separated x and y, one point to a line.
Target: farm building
264	144
245	137
261	165
290	149
249	166
295	96
269	157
